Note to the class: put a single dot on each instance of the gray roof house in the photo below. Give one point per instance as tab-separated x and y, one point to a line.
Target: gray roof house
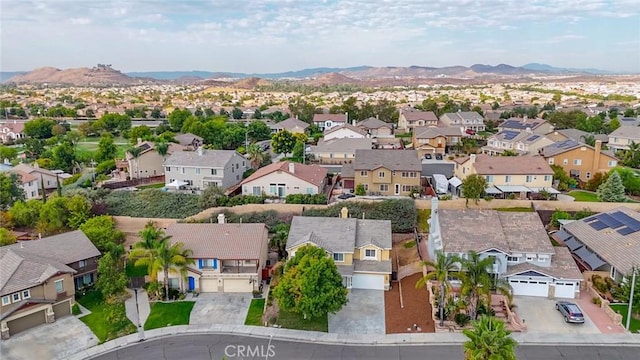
292	125
195	170
466	120
359	247
622	137
339	150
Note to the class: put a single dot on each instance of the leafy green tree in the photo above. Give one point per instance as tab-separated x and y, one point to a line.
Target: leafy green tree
564	181
257	114
596	180
8	153
10	189
162	147
283	142
155	113
236	113
79	209
473	187
630	179
589	139
279	238
173	258
102	232
631	156
53	216
7	237
63	156
443	267
302	109
489	340
612	190
139	132
297	153
258	131
255	155
43	191
39	128
58	130
135	152
177	118
25	213
107	149
359	190
111	277
114	122
311	284
559	215
145	251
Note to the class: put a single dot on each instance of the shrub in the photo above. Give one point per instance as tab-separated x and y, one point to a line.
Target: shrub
270	217
72	179
152	203
105	167
306	199
596	300
461	319
75	309
599	283
359	190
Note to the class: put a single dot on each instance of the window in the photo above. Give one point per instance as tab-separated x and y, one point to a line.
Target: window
6	300
507	179
257	191
381	174
82	264
364	173
541	259
214	171
370	253
531	258
550	161
167	168
310	190
612	163
384	187
577	162
529	178
512	258
406	188
339	257
366	187
197	171
489	178
59	286
15	297
26	294
182	170
547	178
565	162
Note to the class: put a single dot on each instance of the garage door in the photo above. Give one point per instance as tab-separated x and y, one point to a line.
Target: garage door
565	290
26	322
208	285
367	281
237	285
62	309
529	287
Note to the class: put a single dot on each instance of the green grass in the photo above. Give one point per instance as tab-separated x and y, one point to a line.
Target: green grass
135	271
423	220
622	309
254	315
88	149
410	244
515	209
106	321
581	195
169	314
152	186
289	320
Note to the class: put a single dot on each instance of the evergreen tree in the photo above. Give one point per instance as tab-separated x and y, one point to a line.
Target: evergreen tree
612	190
44	193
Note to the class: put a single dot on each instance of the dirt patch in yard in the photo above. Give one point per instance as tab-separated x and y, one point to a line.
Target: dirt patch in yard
417	309
404	250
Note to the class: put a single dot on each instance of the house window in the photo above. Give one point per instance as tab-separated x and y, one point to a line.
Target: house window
577	162
167	168
15	297
541	259
366	187
197	171
565	162
339	257
550	161
384	187
82	264
381	174
214	171
406	188
370	253
182	170
528	178
59	286
257	191
26	294
531	258
547	178
489	178
6	300
507	179
613	163
512	258
310	190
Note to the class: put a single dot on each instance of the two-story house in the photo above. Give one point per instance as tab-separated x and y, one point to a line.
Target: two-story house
408	119
340	150
387	172
286	178
519	175
521	142
28	182
435	140
292	125
360	248
327	121
344	131
149	162
470	122
11	131
201	168
375	127
518	242
48	177
580	161
227	257
535	126
622	137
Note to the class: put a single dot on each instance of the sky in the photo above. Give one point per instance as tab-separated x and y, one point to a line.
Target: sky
267	36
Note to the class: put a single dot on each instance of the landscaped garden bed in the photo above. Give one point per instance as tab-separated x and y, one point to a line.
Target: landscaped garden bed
107	321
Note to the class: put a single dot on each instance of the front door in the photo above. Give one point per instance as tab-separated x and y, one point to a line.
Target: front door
192	283
397	188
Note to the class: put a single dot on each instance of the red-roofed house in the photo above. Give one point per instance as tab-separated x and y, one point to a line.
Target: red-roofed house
284	178
11	131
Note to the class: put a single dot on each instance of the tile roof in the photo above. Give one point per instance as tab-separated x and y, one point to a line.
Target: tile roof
290	123
463	116
221	241
511	165
396	160
347	171
24	176
419	115
208	159
30	170
332	117
310	173
345	126
429	132
568	145
22	269
628	132
563	266
373	123
66	248
342	145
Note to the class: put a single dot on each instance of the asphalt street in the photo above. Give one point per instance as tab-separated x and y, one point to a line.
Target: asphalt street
230	347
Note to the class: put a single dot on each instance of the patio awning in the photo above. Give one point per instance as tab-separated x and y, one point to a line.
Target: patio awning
455	182
562	235
572	243
594	261
550	190
583	253
177	183
492	190
513	188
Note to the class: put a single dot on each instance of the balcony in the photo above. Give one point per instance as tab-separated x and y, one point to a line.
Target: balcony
226	270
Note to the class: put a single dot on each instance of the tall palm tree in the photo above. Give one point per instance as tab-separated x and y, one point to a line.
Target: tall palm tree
279	238
255	155
476	282
442	268
135	153
589	139
172	258
489	340
145	252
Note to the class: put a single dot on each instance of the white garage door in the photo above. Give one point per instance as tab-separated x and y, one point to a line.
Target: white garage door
208	285
565	290
237	285
529	287
367	281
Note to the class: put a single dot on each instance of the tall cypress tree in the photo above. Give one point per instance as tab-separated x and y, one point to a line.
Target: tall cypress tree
44	193
58	186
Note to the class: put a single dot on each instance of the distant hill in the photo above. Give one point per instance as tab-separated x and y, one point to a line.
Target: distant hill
556	70
171	75
6	75
98	75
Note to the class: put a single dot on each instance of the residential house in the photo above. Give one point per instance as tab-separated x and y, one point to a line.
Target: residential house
199	169
629	121
228	258
327	121
535	126
387	172
470	122
575	134
344	131
622	137
339	151
520	175
285	178
149	162
607	241
409	119
518	242
38	277
29	183
520	142
580	161
435	140
11	131
388	143
189	140
360	248
292	125
48	177
376	127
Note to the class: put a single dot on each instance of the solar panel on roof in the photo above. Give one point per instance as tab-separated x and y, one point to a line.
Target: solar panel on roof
634	227
625	231
531	138
626	220
598	225
609	221
509	135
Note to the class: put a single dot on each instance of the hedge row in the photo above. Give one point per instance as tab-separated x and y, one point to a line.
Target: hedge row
152	203
269	217
306	199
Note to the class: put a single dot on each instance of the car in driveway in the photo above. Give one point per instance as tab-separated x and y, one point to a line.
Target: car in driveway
345	196
570	311
439	157
428	156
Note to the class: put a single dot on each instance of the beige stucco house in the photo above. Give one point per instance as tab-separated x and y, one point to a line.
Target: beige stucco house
201	168
580	161
521	142
376	128
409	119
285	178
340	150
435	140
344	131
535	126
387	172
622	137
149	162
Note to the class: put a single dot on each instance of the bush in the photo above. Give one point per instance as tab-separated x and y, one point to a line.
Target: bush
306	199
75	309
401	212
72	179
599	283
461	319
105	167
596	300
270	217
152	203
174	294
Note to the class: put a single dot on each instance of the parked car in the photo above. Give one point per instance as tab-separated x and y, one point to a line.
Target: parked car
470	132
428	156
438	156
345	196
570	311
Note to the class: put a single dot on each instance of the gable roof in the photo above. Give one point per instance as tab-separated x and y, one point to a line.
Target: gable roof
373	123
511	165
342	145
397	160
331	117
22	269
628	132
522	124
221	241
66	248
208	159
31	170
430	132
578	135
415	115
24	176
345	126
561	147
563	266
148	146
463	116
310	173
290	123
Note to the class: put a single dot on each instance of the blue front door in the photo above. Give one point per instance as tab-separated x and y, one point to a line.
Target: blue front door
192	283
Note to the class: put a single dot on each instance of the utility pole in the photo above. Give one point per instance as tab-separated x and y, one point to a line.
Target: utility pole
633	285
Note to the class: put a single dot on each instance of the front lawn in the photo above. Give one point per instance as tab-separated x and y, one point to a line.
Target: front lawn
254	315
169	314
581	195
107	321
152	186
622	309
289	320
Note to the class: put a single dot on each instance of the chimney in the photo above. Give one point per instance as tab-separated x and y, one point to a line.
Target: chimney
472	157
377	117
200	151
139	140
221	219
344	213
346	117
596	156
528	130
353	122
292	167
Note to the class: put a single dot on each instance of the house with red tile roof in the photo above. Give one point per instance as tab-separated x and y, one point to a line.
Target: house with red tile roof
285	178
11	131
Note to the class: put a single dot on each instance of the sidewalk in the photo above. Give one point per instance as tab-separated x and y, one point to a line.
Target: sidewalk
141	308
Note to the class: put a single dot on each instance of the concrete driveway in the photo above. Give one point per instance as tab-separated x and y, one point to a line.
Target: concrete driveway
363	314
213	308
60	340
540	316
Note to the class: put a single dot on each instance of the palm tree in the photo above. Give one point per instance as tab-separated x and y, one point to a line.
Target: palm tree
442	268
163	149
135	153
476	282
589	139
145	252
279	238
255	155
172	258
488	339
